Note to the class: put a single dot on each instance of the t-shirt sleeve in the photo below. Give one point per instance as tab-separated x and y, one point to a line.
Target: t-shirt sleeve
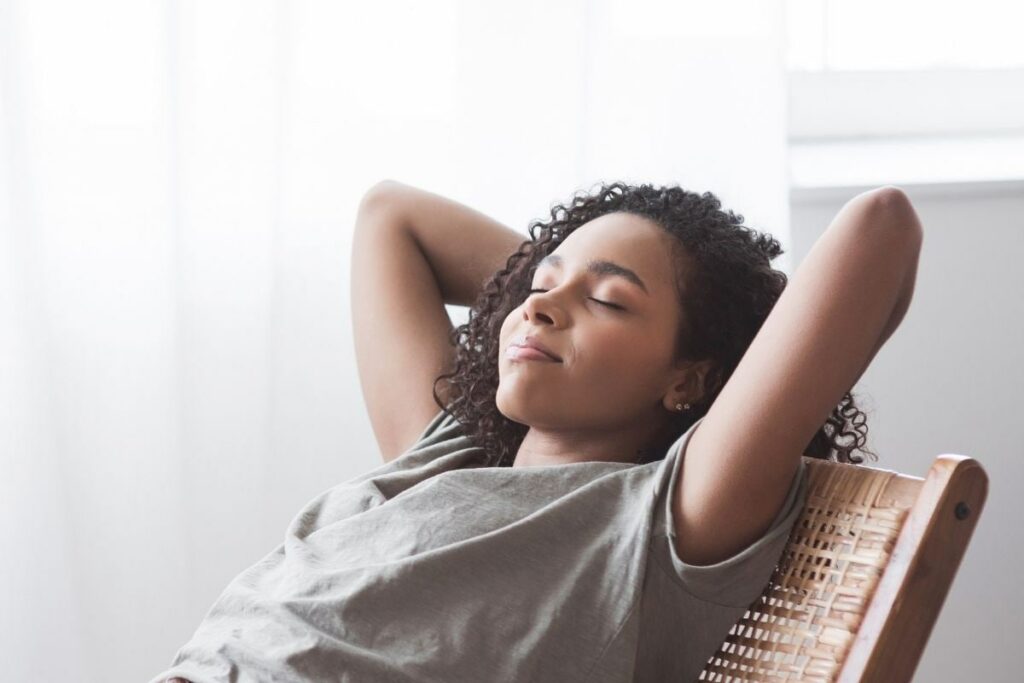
439	422
737	580
441	435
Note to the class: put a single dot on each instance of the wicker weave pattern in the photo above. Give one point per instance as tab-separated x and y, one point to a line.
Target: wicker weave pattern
802	625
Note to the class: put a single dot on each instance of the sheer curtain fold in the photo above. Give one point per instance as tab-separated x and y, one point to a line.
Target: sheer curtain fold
178	187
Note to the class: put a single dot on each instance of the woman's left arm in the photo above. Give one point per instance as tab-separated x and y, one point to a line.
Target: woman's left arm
901	213
843	302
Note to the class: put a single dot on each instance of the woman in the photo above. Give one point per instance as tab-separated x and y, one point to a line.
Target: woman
552	512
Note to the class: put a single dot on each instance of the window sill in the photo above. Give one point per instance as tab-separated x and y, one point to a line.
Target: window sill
830	170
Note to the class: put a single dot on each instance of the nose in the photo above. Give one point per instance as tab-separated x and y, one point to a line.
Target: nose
539	308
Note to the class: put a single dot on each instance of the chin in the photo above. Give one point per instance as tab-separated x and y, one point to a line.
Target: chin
509	412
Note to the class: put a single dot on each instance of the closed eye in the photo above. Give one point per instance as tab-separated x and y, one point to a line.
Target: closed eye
603	303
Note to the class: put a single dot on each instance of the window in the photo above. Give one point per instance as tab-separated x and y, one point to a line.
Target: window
868	68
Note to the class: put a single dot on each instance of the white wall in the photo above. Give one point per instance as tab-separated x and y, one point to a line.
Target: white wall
949	380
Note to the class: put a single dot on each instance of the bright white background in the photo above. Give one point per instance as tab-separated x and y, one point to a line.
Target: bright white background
178	182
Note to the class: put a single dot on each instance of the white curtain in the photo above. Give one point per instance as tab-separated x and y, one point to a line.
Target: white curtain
178	182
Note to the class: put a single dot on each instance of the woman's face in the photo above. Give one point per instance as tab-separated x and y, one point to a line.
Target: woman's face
616	366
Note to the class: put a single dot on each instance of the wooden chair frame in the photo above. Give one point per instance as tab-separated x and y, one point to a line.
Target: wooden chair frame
862	579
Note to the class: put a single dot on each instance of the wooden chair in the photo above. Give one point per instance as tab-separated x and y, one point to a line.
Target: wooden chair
862	578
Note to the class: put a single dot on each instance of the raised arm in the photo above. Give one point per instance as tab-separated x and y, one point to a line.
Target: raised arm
463	246
845	299
413	252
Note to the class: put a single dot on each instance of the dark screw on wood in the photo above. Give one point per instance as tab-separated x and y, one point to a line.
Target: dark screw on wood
962	511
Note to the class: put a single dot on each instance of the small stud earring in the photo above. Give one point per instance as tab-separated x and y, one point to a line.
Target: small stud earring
679	406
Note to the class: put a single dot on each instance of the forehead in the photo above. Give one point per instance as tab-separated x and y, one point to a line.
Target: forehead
634	242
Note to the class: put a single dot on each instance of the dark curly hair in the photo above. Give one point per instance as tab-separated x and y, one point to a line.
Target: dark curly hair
731	288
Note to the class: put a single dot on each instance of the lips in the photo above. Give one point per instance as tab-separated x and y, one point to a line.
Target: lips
532	343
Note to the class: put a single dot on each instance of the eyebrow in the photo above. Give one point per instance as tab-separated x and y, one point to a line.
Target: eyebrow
601	268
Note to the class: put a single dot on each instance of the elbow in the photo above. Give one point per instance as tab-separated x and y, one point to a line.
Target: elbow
892	199
893	212
383	185
379	195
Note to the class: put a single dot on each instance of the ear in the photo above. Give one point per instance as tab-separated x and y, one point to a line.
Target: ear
690	382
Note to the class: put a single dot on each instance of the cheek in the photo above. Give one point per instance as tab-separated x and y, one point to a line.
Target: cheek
505	335
615	352
632	355
506	326
618	339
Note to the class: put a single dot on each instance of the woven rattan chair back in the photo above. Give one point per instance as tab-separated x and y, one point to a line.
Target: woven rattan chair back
863	576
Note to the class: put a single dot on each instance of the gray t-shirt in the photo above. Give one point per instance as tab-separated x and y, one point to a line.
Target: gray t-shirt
433	568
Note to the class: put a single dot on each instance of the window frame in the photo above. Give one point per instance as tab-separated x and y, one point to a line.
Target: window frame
829	105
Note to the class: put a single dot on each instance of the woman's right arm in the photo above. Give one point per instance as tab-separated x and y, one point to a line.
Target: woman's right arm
463	246
412	253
